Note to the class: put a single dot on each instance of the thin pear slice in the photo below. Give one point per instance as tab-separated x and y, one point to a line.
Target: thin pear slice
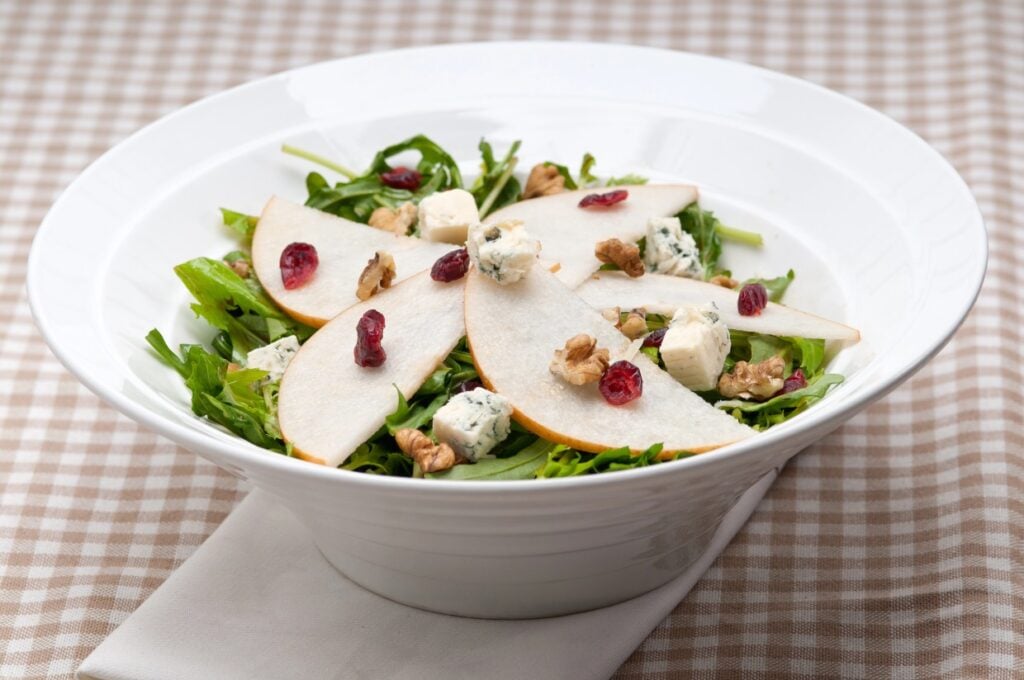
568	233
343	248
513	332
328	405
663	294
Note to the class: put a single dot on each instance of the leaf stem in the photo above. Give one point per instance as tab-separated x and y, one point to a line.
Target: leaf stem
750	238
320	160
485	207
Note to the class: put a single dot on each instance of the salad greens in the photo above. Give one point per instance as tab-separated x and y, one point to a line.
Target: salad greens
228	296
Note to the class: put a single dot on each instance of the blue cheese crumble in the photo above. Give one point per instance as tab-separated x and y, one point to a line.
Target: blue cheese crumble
503	251
670	250
473	423
273	358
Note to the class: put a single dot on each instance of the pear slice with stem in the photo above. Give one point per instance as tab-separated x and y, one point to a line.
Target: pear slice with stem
328	405
663	294
513	333
343	248
569	233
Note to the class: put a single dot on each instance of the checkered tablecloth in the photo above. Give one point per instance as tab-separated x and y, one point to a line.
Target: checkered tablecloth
892	548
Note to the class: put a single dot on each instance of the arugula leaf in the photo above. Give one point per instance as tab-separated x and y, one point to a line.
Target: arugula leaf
776	287
702	225
237	306
414	416
764	414
629	179
587	178
236	400
240	222
565	462
522	465
496	187
360	195
376	459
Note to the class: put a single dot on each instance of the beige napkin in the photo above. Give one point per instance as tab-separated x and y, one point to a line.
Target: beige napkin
257	600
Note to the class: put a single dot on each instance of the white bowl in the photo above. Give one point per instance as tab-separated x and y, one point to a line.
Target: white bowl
882	232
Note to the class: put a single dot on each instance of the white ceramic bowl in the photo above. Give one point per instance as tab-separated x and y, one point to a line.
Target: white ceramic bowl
882	232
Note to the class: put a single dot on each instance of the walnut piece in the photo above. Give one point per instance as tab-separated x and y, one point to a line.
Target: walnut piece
625	255
580	362
240	267
544	180
395	221
753	381
430	456
378	274
724	281
634	325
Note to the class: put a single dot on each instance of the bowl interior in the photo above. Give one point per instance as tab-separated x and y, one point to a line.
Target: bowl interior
881	232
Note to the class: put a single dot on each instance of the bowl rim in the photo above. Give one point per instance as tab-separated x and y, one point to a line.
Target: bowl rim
197	440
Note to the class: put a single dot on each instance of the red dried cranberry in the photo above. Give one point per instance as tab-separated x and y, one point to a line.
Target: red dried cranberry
402	178
450	266
604	200
753	298
796	381
468	386
369	335
654	338
621	383
298	264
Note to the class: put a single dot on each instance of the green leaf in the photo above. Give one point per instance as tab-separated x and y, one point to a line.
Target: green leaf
587	177
496	187
240	222
630	179
776	287
159	345
566	462
764	414
413	416
702	225
522	465
378	459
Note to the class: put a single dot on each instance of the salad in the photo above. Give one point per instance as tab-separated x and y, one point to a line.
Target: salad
407	322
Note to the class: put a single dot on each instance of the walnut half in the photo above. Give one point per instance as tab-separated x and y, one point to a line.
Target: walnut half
581	362
378	274
634	325
430	456
625	255
395	221
753	381
544	180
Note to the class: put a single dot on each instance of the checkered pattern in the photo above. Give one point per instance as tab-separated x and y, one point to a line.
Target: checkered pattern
891	549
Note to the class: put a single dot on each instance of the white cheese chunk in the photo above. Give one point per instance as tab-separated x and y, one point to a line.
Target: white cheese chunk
273	358
473	423
695	346
503	251
670	250
447	216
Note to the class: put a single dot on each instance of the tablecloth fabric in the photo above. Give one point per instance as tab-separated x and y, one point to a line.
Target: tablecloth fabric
891	549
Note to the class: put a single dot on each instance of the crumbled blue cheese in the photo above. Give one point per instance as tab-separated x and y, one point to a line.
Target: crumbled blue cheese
273	358
695	346
447	216
503	251
670	250
474	422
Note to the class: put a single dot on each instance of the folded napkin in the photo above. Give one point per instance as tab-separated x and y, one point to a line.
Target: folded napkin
258	600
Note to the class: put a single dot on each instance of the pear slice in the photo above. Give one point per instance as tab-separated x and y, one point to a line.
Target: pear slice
664	294
343	247
328	405
569	233
513	332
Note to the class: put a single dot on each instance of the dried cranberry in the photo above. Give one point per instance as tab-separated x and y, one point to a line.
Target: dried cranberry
369	335
450	266
604	200
621	383
298	264
753	298
468	386
654	338
402	178
796	381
